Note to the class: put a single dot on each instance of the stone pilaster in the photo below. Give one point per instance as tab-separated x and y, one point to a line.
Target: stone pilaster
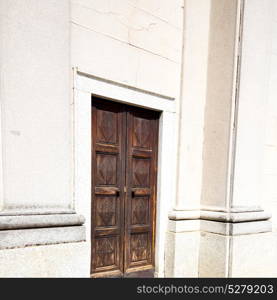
229	209
232	215
183	235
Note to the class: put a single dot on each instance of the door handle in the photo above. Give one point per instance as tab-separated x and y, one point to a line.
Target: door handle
140	192
112	191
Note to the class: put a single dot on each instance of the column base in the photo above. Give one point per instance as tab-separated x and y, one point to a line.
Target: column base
182	250
207	243
246	255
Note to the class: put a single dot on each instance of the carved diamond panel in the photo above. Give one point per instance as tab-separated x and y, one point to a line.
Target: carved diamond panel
141	133
105	251
139	247
106	127
106	166
105	214
141	172
140	210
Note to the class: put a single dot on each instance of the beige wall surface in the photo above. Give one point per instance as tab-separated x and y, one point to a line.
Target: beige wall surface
192	103
34	93
219	101
137	43
269	171
252	102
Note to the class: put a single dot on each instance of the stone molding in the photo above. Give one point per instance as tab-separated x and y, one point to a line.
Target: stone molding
32	230
39	221
23	211
234	229
220	216
218	222
21	238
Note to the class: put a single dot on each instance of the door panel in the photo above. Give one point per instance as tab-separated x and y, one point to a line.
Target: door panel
124	171
141	169
108	165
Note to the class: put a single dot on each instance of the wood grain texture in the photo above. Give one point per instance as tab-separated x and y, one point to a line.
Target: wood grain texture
108	165
124	176
141	179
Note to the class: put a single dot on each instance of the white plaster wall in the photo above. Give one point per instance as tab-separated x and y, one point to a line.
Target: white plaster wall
35	100
137	43
253	100
192	106
219	102
256	157
269	171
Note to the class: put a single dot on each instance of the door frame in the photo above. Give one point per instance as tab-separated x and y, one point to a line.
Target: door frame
85	85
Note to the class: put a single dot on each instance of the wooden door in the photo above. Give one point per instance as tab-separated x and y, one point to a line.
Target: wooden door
124	175
108	169
141	173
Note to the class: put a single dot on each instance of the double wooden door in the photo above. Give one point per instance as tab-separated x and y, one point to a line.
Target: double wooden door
124	175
